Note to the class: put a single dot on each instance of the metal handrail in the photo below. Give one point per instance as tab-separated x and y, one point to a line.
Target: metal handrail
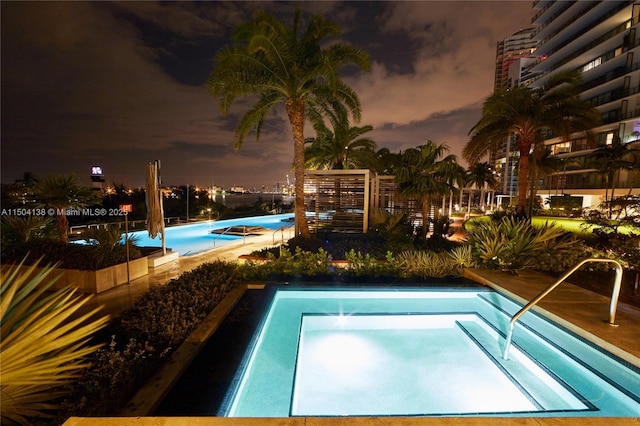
226	230
534	301
281	229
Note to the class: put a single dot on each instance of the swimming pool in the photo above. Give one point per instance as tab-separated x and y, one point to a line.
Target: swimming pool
425	352
195	238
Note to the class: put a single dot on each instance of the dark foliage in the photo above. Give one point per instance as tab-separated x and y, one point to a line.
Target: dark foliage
70	256
144	336
337	245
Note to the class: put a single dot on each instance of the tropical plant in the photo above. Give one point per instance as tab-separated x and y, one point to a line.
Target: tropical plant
44	341
514	243
286	66
547	165
388	223
361	265
610	160
20	229
422	173
425	264
463	256
63	193
482	176
531	114
385	162
341	148
108	244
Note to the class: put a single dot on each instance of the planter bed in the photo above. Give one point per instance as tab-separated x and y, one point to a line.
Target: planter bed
101	280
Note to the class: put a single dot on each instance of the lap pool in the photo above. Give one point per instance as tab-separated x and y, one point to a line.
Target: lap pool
196	238
426	352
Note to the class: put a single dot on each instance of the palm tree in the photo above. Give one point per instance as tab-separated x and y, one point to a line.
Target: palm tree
530	114
340	149
613	158
285	66
385	162
481	175
547	165
61	193
423	174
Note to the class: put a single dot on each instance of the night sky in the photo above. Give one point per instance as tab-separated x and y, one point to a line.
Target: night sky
119	84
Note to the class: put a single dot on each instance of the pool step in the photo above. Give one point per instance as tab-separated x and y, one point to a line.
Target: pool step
534	337
543	389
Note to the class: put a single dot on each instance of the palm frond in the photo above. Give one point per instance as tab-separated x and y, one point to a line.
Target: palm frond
44	341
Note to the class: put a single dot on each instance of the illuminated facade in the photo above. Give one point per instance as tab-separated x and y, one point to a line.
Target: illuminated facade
512	54
600	39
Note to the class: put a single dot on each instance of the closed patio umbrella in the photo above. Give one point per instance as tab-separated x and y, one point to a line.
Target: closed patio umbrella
155	213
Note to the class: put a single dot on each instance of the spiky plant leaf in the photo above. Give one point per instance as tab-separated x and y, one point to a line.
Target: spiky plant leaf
44	341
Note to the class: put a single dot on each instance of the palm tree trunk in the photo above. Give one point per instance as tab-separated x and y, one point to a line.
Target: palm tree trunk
62	225
426	208
614	182
523	174
295	110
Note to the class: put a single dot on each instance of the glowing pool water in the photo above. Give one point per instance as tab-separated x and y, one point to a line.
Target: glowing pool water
196	238
422	353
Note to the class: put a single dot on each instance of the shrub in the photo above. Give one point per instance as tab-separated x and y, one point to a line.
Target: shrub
512	244
424	264
145	335
287	264
68	256
337	245
366	265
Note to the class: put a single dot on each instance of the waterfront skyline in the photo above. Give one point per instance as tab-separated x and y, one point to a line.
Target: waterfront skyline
119	84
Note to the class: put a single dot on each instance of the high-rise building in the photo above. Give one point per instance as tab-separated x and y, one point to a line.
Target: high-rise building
512	54
598	38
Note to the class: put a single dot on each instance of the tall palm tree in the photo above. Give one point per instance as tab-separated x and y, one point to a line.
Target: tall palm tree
482	176
62	193
286	66
530	114
611	160
341	148
547	165
423	173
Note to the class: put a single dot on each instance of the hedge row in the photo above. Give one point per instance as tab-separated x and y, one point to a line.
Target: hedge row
143	338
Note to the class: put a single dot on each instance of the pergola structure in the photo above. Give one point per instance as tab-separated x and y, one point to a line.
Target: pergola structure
341	200
337	200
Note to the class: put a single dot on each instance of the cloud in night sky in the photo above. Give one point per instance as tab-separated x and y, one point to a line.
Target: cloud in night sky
120	84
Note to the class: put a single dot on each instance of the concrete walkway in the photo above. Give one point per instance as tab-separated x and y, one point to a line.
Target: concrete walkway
115	300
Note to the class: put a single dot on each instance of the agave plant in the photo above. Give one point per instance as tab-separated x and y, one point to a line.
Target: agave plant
424	264
45	341
512	244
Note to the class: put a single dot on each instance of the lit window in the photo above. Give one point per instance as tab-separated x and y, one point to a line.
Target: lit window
592	64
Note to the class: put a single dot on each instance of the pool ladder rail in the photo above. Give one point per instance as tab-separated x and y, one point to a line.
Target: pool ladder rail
535	300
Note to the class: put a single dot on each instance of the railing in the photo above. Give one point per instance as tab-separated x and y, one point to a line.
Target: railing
281	229
534	301
227	229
